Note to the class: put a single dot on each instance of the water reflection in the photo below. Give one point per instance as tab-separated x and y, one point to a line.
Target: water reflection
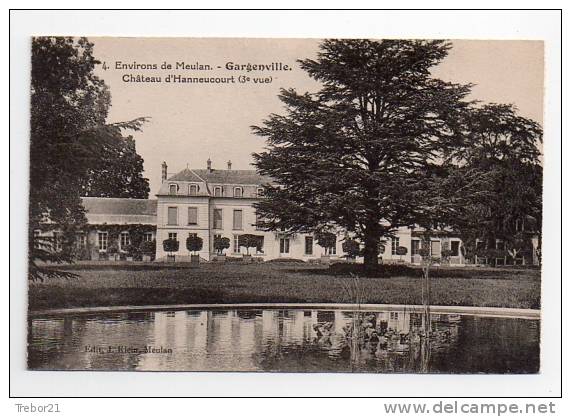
290	340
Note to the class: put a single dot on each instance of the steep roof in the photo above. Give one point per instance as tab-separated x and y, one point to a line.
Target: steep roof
120	210
222	176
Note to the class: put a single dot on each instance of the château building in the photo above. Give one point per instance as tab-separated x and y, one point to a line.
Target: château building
212	203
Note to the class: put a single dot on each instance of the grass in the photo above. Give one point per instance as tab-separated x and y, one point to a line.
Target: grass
281	283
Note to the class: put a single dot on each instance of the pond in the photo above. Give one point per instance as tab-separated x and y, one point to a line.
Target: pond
285	340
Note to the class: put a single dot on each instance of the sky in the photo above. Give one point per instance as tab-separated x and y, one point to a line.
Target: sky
190	123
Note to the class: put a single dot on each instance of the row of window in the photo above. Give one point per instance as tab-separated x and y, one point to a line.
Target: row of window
435	247
102	239
193	189
237	218
124	239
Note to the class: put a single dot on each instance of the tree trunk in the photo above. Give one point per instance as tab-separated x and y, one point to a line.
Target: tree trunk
371	252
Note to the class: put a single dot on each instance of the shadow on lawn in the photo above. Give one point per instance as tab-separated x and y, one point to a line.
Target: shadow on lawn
389	271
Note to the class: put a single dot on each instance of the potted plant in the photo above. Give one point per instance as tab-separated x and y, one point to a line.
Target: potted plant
128	251
352	249
194	244
170	246
221	243
148	248
326	240
112	251
249	241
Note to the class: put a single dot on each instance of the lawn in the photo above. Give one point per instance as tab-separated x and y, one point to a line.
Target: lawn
114	285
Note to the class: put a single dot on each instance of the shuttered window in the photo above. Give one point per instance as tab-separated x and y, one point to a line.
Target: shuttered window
237	220
217	219
192	215
173	215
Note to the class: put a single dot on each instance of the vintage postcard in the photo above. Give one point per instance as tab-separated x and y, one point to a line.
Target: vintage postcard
285	205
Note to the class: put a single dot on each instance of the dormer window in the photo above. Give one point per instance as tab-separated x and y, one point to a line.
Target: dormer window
238	192
260	192
217	191
173	189
192	189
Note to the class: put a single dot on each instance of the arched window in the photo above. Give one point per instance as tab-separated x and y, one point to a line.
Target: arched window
238	192
192	189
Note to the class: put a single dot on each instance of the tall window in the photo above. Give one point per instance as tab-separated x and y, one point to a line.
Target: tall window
415	249
395	243
173	236
284	245
192	189
102	239
218	191
435	248
238	192
237	220
81	240
309	245
455	247
333	250
192	215
236	246
173	188
217	219
124	239
519	225
173	215
148	237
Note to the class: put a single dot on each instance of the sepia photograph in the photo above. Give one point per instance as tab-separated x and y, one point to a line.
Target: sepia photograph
285	205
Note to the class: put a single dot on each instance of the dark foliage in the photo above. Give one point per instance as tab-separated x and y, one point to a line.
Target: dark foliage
68	133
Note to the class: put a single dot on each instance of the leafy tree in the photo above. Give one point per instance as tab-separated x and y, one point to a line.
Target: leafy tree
344	156
69	107
148	247
326	240
194	243
118	172
170	246
352	248
221	243
250	241
503	147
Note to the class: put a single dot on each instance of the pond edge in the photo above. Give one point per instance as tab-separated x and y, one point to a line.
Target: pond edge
520	313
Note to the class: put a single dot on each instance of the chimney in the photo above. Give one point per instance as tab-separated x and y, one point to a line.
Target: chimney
209	165
164	171
229	165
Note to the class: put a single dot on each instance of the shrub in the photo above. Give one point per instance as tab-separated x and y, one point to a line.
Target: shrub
148	247
251	241
170	245
352	248
194	243
221	243
326	240
401	250
285	261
